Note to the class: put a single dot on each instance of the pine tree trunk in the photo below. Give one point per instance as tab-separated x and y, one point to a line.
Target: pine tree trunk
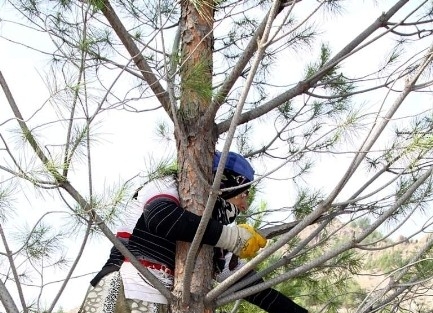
196	138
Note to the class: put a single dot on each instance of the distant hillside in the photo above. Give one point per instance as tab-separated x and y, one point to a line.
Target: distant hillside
381	261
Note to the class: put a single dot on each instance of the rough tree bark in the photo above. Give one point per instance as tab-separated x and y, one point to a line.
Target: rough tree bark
193	142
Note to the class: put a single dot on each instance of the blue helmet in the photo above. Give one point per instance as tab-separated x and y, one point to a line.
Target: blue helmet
237	171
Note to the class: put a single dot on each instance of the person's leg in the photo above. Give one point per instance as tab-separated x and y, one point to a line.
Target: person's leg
273	301
124	305
269	300
103	296
139	306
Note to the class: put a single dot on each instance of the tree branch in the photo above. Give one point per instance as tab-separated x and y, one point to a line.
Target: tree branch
6	299
14	271
306	84
64	184
134	52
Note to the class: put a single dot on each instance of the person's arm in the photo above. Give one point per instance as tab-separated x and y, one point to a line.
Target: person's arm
167	219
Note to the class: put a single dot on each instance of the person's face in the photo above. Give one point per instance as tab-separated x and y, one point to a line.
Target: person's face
241	201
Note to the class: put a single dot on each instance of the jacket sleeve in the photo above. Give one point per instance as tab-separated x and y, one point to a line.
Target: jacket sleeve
269	300
167	219
273	301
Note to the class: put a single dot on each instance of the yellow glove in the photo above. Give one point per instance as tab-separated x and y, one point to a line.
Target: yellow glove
253	244
242	240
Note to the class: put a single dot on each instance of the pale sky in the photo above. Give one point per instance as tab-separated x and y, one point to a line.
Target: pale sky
128	145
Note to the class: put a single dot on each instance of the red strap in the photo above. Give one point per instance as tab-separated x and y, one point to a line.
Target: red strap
163	195
155	266
123	234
